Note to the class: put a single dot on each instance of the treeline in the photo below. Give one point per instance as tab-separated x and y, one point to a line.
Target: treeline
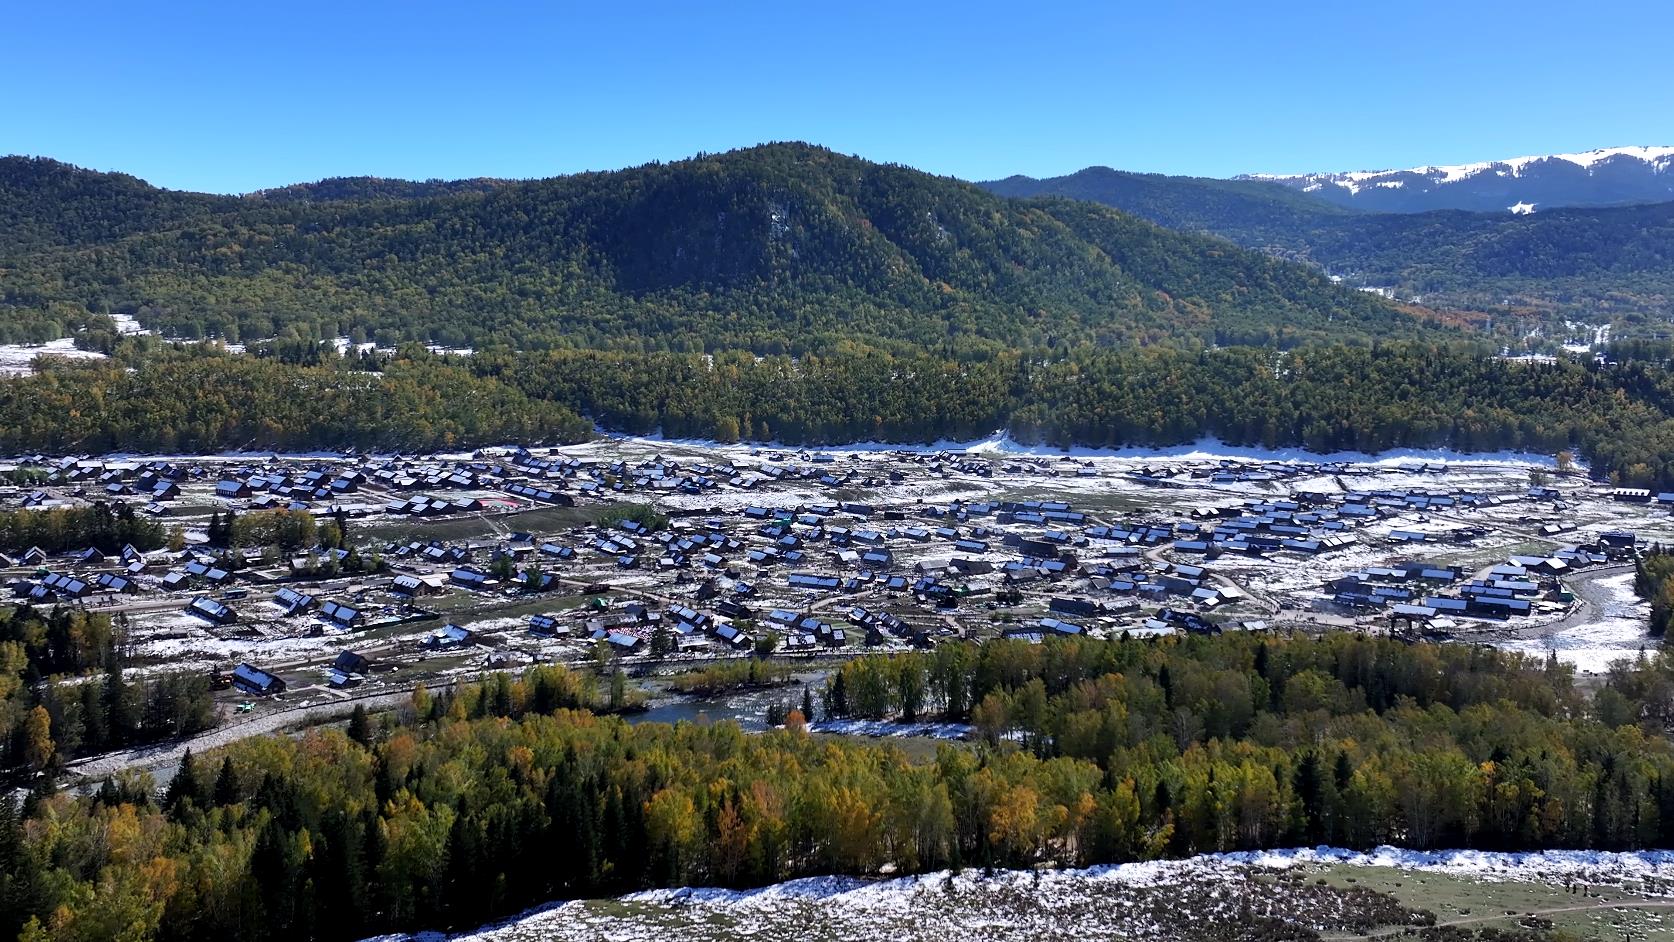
727	676
206	401
1090	751
1620	418
1241	742
63	692
1324	399
107	527
1653	581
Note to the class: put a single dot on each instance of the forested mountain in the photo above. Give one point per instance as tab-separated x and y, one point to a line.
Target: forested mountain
776	248
46	204
1589	263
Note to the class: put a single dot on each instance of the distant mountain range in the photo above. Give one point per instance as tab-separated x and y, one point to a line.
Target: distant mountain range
1590	263
1610	176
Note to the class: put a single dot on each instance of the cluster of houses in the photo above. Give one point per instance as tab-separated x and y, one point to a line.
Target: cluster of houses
813	554
73	479
834	570
1419	593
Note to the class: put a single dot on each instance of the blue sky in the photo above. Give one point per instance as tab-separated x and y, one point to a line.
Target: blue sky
231	97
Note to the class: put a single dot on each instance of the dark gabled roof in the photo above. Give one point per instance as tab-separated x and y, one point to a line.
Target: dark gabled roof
209	608
339	612
255	679
350	662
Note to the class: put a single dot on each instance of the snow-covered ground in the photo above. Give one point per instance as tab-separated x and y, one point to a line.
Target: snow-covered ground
1591	336
180	641
17	359
1617	633
1204	449
128	324
1152	900
1547	866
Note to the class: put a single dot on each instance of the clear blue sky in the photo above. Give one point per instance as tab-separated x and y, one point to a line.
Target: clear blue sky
236	96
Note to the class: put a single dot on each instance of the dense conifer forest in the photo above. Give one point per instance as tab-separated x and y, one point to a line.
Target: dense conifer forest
200	399
505	793
1618	418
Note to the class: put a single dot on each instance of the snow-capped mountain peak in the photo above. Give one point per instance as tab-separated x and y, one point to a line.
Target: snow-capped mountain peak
1606	176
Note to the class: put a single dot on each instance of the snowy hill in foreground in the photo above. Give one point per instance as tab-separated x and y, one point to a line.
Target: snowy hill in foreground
1306	893
1605	177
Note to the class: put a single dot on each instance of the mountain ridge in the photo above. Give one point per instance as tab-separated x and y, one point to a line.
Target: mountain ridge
775	247
1565	262
1604	176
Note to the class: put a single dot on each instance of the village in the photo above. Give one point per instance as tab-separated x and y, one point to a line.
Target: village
657	556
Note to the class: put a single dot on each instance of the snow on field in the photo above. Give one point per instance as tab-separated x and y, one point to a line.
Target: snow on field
128	324
17	359
176	641
343	346
203	646
1547	866
1001	444
1152	900
1617	633
1210	449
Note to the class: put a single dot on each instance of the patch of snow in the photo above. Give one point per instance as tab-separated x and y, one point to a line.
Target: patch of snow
343	346
128	325
18	359
1522	209
1001	443
1618	633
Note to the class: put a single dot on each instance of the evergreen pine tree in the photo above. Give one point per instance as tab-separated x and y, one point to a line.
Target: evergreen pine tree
184	787
227	791
360	726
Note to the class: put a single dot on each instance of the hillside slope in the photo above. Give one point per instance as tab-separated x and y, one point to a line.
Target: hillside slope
779	247
1190	204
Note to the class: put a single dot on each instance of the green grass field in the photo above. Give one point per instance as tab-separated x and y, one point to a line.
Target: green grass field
1599	913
